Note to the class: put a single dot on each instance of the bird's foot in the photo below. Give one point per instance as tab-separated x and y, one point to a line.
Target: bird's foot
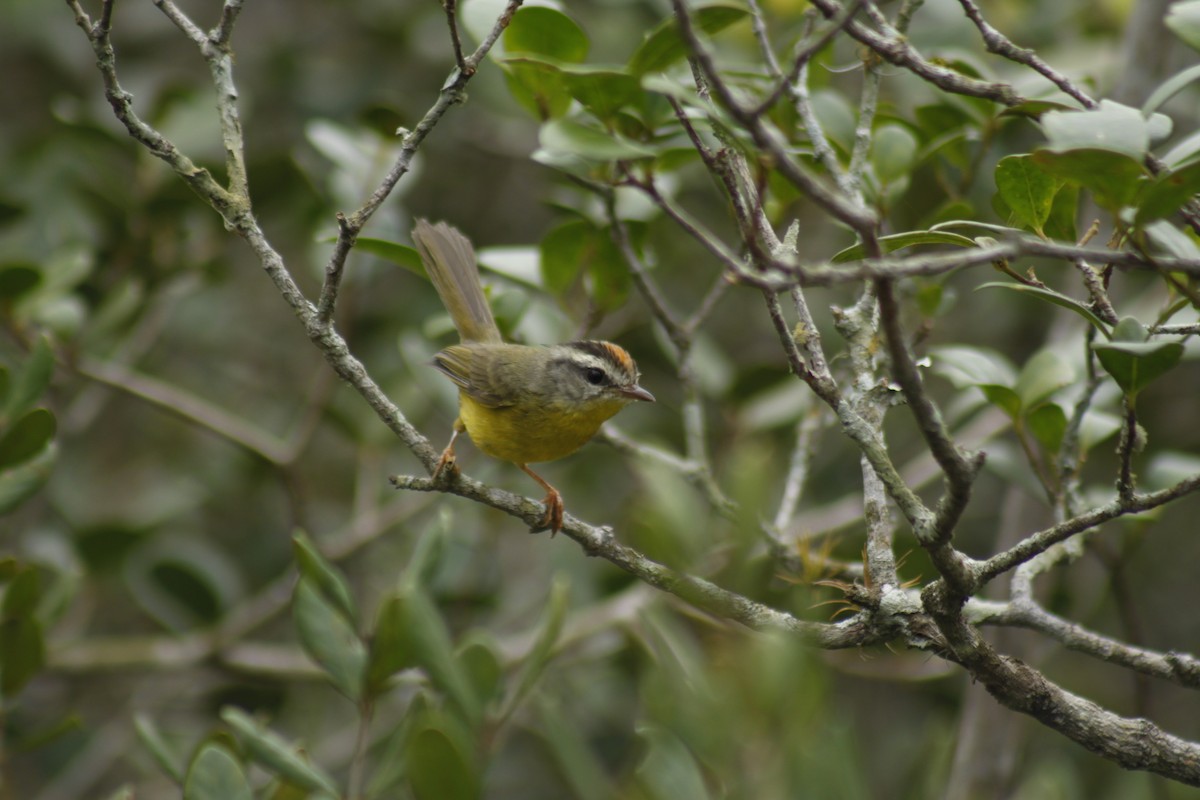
552	520
446	469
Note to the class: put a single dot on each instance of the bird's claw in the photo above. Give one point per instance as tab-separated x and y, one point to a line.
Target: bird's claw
446	469
552	520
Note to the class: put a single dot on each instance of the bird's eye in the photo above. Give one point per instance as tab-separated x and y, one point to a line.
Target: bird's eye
594	375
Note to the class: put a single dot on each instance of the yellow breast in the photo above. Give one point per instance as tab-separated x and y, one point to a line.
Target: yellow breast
530	434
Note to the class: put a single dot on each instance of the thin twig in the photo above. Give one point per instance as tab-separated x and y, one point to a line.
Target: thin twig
997	43
170	398
897	50
810	423
800	58
221	34
1127	445
1037	543
696	591
451	8
452	93
358	761
863	130
641	278
858	218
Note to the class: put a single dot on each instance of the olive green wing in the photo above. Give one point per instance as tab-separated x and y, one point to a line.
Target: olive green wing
464	365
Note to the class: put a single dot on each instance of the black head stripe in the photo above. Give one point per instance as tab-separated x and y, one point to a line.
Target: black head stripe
614	356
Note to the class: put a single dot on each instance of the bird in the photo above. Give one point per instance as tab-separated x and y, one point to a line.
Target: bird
519	403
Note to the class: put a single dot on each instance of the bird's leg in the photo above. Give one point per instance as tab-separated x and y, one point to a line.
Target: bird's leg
446	468
553	518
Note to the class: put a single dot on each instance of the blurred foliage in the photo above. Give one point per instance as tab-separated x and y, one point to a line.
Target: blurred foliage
166	428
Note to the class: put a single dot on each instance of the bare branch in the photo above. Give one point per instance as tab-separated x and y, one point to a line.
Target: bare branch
897	50
1132	743
170	398
853	215
452	93
229	13
800	58
451	8
1040	542
696	591
997	43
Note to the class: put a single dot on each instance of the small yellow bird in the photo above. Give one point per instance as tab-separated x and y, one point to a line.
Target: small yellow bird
519	403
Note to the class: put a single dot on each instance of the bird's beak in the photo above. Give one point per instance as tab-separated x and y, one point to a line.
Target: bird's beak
636	392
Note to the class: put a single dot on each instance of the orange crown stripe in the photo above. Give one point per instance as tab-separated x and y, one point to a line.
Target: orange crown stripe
620	356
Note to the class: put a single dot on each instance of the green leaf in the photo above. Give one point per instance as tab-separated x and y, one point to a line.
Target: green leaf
50	734
1167	193
1027	190
669	770
564	251
400	254
26	438
1133	362
1098	426
573	138
663	46
426	556
538	87
1129	329
1052	296
602	91
972	366
480	662
22	653
164	755
932	298
329	639
17	279
1042	376
277	754
1163	238
410	631
390	761
1004	398
1048	424
543	646
22	595
20	483
1183	19
1112	127
578	248
439	769
546	32
31	380
1114	178
1170	467
215	774
580	765
610	281
390	651
183	586
899	241
1169	88
1063	212
1183	152
327	578
893	152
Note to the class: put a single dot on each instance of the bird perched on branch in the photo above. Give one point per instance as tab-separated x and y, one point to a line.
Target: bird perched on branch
519	403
